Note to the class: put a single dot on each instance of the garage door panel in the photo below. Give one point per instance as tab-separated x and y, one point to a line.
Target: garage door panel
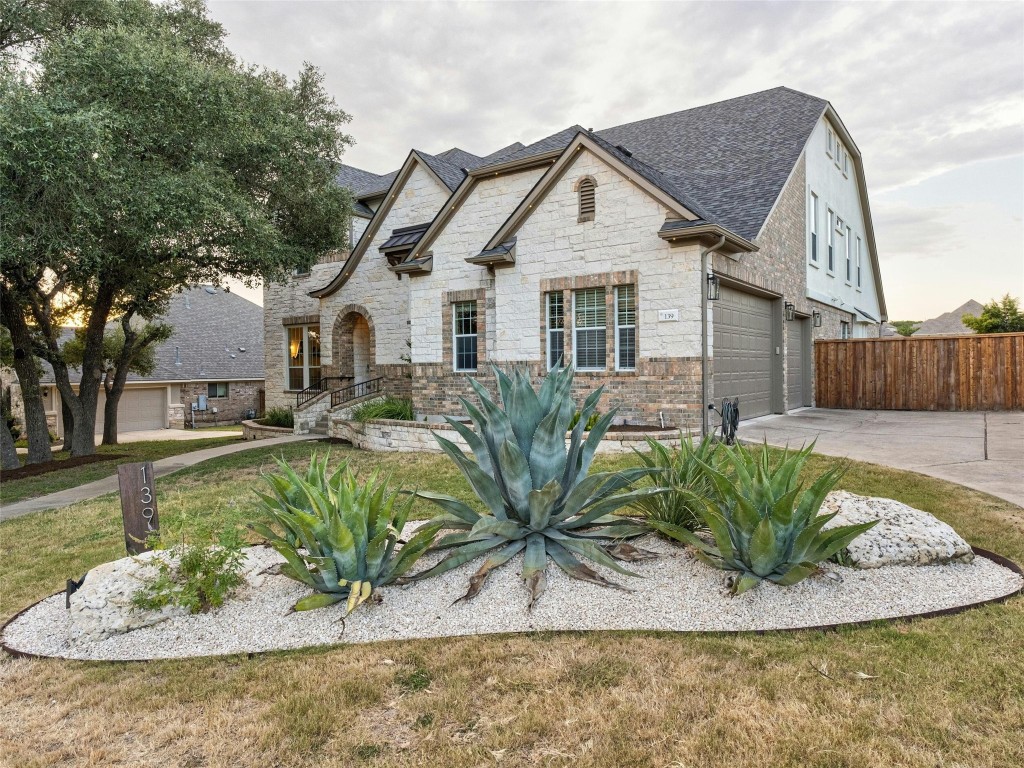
138	409
742	351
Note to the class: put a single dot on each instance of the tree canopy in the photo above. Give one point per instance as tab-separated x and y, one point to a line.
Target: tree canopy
138	157
998	316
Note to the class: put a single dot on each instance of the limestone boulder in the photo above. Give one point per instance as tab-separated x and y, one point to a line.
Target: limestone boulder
904	535
102	606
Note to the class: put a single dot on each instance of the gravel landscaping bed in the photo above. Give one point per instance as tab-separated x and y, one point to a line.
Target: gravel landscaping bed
677	593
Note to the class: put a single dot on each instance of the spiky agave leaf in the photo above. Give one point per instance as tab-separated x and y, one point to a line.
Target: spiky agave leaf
538	492
765	525
340	537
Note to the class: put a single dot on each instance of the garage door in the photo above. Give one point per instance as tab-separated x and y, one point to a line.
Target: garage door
797	384
743	351
138	409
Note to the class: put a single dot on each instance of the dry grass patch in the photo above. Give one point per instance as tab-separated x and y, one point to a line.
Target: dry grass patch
942	692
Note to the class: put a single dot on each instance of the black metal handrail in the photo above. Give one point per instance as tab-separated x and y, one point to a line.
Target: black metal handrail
325	384
355	391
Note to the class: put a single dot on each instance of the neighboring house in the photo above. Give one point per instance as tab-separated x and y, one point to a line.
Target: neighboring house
214	361
588	246
950	323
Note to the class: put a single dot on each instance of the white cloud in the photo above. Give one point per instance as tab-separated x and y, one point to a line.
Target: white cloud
924	88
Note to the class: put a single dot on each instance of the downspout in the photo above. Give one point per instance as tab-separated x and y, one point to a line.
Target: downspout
704	253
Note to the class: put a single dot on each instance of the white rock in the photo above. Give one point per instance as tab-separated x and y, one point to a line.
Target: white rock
905	536
102	606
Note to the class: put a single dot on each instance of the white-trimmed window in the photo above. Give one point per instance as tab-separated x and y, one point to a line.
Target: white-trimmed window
464	335
625	327
844	329
302	355
813	213
830	146
831	262
846	163
589	329
217	389
840	238
859	273
849	256
556	329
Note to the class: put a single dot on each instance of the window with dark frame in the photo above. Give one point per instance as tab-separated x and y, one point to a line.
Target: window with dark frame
556	329
625	327
464	335
859	278
831	241
219	389
814	228
589	329
303	356
849	255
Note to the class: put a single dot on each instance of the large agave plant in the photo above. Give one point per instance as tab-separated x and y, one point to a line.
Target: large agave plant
339	537
764	524
537	492
681	472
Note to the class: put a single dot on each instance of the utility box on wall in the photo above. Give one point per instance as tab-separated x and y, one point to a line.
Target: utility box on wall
202	403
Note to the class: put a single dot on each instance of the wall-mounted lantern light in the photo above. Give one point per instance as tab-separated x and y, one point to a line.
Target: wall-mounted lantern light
790	310
713	288
816	315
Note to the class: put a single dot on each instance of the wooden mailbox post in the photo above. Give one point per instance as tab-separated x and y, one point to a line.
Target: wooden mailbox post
138	505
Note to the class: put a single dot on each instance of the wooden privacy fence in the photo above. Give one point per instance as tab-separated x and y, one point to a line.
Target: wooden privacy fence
921	373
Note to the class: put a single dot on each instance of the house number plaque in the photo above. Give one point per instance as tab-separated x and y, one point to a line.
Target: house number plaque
138	505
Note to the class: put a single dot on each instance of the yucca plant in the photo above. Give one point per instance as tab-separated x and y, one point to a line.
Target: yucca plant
764	523
538	495
339	537
681	472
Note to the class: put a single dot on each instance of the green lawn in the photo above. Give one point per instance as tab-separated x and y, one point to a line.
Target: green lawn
938	692
62	479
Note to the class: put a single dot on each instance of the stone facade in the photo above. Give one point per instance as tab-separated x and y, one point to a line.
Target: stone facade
402	329
243	396
416	436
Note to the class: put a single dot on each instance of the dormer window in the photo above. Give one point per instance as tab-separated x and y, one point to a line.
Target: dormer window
587	188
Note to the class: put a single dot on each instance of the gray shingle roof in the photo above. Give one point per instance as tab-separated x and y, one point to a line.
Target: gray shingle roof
727	162
210	332
950	323
733	157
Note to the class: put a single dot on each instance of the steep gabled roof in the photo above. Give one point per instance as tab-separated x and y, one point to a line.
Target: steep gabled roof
950	323
451	174
733	157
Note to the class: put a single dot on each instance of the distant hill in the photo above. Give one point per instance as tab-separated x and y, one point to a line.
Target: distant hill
950	324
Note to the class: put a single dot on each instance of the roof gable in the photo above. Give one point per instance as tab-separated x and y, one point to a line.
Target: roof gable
415	159
733	157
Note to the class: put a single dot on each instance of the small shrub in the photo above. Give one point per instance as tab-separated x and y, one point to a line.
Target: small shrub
278	417
338	536
398	408
764	524
681	472
202	578
590	423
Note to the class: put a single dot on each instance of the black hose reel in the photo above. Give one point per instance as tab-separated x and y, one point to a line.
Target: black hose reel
730	414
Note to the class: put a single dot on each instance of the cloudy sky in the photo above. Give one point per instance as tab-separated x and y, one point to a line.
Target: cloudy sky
932	93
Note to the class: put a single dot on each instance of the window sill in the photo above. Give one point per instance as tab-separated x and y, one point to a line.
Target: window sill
814	264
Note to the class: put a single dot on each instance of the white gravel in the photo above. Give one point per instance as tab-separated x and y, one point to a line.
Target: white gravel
678	593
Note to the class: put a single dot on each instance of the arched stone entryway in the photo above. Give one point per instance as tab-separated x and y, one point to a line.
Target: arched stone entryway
355	343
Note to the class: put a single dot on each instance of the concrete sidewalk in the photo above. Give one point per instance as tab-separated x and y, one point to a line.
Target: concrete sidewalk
981	450
161	467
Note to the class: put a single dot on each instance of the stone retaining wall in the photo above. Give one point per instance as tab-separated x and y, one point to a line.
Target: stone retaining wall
253	431
412	436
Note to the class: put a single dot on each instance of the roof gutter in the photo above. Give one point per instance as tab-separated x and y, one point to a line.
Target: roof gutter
705	400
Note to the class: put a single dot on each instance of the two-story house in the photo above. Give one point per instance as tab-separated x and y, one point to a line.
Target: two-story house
705	247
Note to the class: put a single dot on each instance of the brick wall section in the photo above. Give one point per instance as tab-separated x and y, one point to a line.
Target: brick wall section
242	396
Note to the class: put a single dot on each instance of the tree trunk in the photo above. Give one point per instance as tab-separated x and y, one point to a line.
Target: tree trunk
113	391
68	419
27	369
8	453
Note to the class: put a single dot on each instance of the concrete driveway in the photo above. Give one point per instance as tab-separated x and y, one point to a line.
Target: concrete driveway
982	450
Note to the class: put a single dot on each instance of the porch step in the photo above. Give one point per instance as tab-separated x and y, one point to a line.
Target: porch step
318	430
